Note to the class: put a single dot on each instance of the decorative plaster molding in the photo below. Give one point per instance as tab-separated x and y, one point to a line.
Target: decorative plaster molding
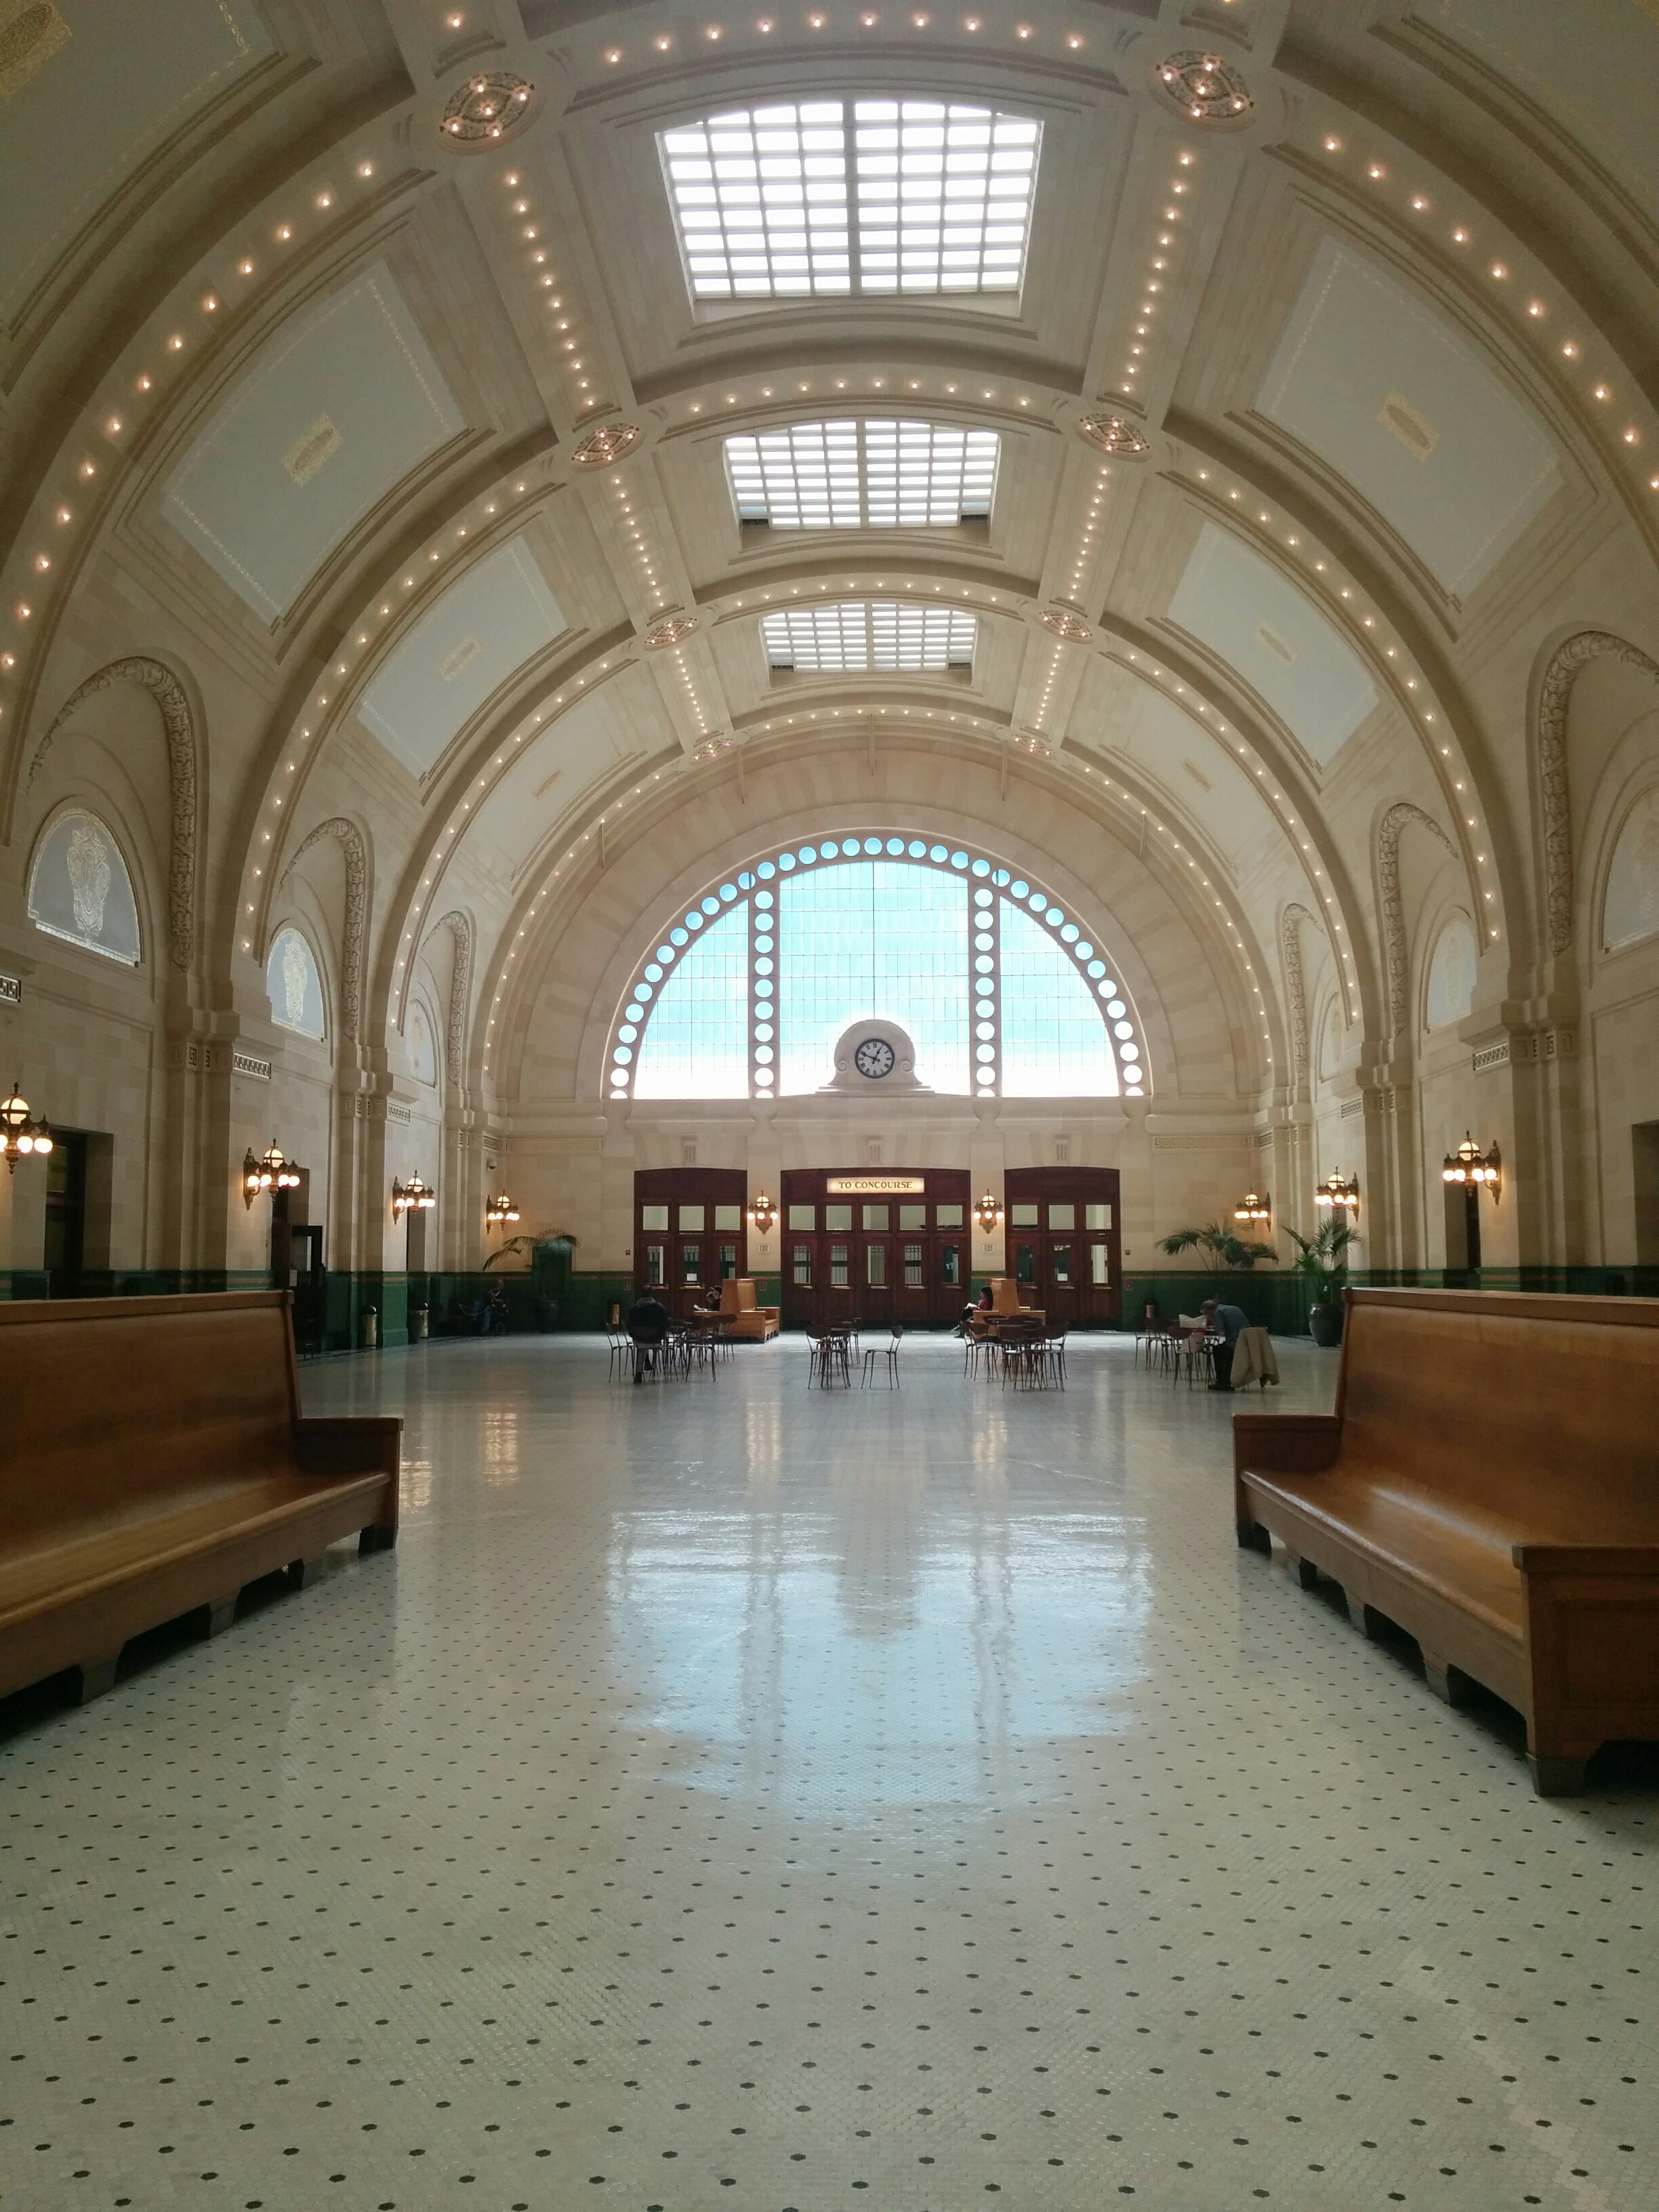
11	991
250	1064
460	987
1393	826
1489	1057
1352	1109
1290	940
169	695
1554	696
1227	1140
351	839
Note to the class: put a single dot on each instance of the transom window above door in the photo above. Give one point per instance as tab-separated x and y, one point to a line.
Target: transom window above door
862	475
827	196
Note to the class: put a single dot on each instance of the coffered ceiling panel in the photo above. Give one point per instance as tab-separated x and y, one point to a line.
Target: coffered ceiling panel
90	89
1259	622
584	748
1203	779
338	408
1380	384
1596	81
493	620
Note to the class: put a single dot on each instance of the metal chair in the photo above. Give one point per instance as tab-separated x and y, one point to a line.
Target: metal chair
868	1367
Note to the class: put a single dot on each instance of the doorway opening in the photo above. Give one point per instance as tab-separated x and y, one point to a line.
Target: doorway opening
1064	1238
883	1246
690	1233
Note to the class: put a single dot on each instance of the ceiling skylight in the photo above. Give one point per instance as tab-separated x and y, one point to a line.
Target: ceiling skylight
880	635
848	475
833	196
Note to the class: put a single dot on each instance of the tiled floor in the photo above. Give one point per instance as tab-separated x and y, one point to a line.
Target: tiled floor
727	1796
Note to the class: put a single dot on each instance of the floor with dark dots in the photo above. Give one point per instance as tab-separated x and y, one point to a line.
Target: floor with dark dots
735	1794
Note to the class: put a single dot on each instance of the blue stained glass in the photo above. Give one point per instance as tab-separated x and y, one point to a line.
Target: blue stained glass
958	860
1054	1042
728	892
884	939
698	1045
872	844
678	936
766	872
785	862
808	855
937	851
915	848
1018	887
981	868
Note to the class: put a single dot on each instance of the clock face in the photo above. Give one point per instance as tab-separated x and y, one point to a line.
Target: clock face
874	1057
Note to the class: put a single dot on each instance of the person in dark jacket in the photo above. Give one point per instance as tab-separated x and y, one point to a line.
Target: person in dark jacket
1225	1322
647	1324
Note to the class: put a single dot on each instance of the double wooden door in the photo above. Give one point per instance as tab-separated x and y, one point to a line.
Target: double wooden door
690	1232
880	1247
1065	1242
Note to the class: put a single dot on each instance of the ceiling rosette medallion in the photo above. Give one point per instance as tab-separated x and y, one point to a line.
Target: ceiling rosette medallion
609	443
1115	433
1065	624
1205	87
485	111
668	632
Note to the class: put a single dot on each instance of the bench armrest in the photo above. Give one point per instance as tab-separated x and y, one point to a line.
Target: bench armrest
1286	1444
349	1444
1587	1559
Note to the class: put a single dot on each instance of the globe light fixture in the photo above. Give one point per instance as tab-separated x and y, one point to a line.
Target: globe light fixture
1476	1170
988	1211
495	1209
1337	1194
1255	1206
408	1197
270	1171
763	1215
20	1134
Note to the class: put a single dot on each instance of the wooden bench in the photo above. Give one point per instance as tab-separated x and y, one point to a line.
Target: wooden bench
153	1462
1489	1482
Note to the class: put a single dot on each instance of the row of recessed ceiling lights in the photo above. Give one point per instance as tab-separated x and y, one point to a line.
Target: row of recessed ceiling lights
1147	306
868	19
949	388
1536	311
1343	593
547	280
117	423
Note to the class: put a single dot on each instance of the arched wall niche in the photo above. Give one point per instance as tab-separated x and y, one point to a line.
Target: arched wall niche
294	983
1591	686
1447	995
333	858
83	889
1184	983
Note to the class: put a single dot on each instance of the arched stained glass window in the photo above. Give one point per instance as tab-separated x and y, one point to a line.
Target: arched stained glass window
998	986
79	889
295	987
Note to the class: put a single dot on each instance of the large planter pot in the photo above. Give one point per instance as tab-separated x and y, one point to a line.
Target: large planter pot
1325	1325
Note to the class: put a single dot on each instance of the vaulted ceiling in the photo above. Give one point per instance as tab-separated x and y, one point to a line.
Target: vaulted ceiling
372	362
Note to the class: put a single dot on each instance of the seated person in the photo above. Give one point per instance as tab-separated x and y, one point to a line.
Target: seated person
980	1306
1225	1322
710	1302
647	1324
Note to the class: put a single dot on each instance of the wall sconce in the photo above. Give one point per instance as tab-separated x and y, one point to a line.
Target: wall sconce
988	1211
496	1209
763	1215
270	1171
18	1135
1255	1206
1337	1194
1477	1169
407	1196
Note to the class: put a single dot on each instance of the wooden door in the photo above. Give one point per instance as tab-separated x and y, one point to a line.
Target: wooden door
884	1255
690	1232
1065	1242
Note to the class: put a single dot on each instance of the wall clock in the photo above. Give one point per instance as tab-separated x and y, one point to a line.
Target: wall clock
874	1058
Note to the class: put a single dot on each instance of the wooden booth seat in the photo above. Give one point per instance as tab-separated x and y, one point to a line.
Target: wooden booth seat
1489	1482
153	1462
738	1305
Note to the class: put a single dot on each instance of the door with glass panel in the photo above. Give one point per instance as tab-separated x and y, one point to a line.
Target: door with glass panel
895	1256
1064	1242
690	1232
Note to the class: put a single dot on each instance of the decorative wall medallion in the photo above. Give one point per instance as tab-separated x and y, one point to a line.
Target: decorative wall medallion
1205	86
11	991
487	109
319	444
1066	624
1113	434
606	444
31	32
669	633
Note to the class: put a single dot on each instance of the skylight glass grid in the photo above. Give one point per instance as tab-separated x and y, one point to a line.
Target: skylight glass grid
821	197
845	476
760	197
944	196
883	636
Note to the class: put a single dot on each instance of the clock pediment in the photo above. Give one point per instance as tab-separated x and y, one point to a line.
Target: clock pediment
875	1058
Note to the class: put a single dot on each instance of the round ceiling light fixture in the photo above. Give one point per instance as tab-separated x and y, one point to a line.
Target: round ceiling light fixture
669	632
1204	87
600	447
485	110
1113	434
1066	624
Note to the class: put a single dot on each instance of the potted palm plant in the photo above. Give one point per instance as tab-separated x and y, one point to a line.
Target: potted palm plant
1220	1248
1322	1261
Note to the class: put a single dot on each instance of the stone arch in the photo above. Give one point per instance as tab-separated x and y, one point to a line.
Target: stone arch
459	927
1554	695
350	838
1296	990
1390	829
183	780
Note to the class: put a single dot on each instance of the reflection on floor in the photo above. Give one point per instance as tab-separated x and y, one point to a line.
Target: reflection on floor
728	1794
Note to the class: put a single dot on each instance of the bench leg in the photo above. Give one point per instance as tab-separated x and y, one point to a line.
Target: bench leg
1450	1683
375	1539
1558	1777
1364	1617
1302	1570
302	1573
98	1675
221	1613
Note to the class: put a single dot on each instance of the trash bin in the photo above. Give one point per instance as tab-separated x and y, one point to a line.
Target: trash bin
368	1329
417	1324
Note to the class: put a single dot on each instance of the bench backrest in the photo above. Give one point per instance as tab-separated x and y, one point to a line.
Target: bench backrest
1505	1398
1004	1295
109	1400
737	1295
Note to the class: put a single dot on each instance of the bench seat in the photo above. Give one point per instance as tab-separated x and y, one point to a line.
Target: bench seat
153	1463
1489	1483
